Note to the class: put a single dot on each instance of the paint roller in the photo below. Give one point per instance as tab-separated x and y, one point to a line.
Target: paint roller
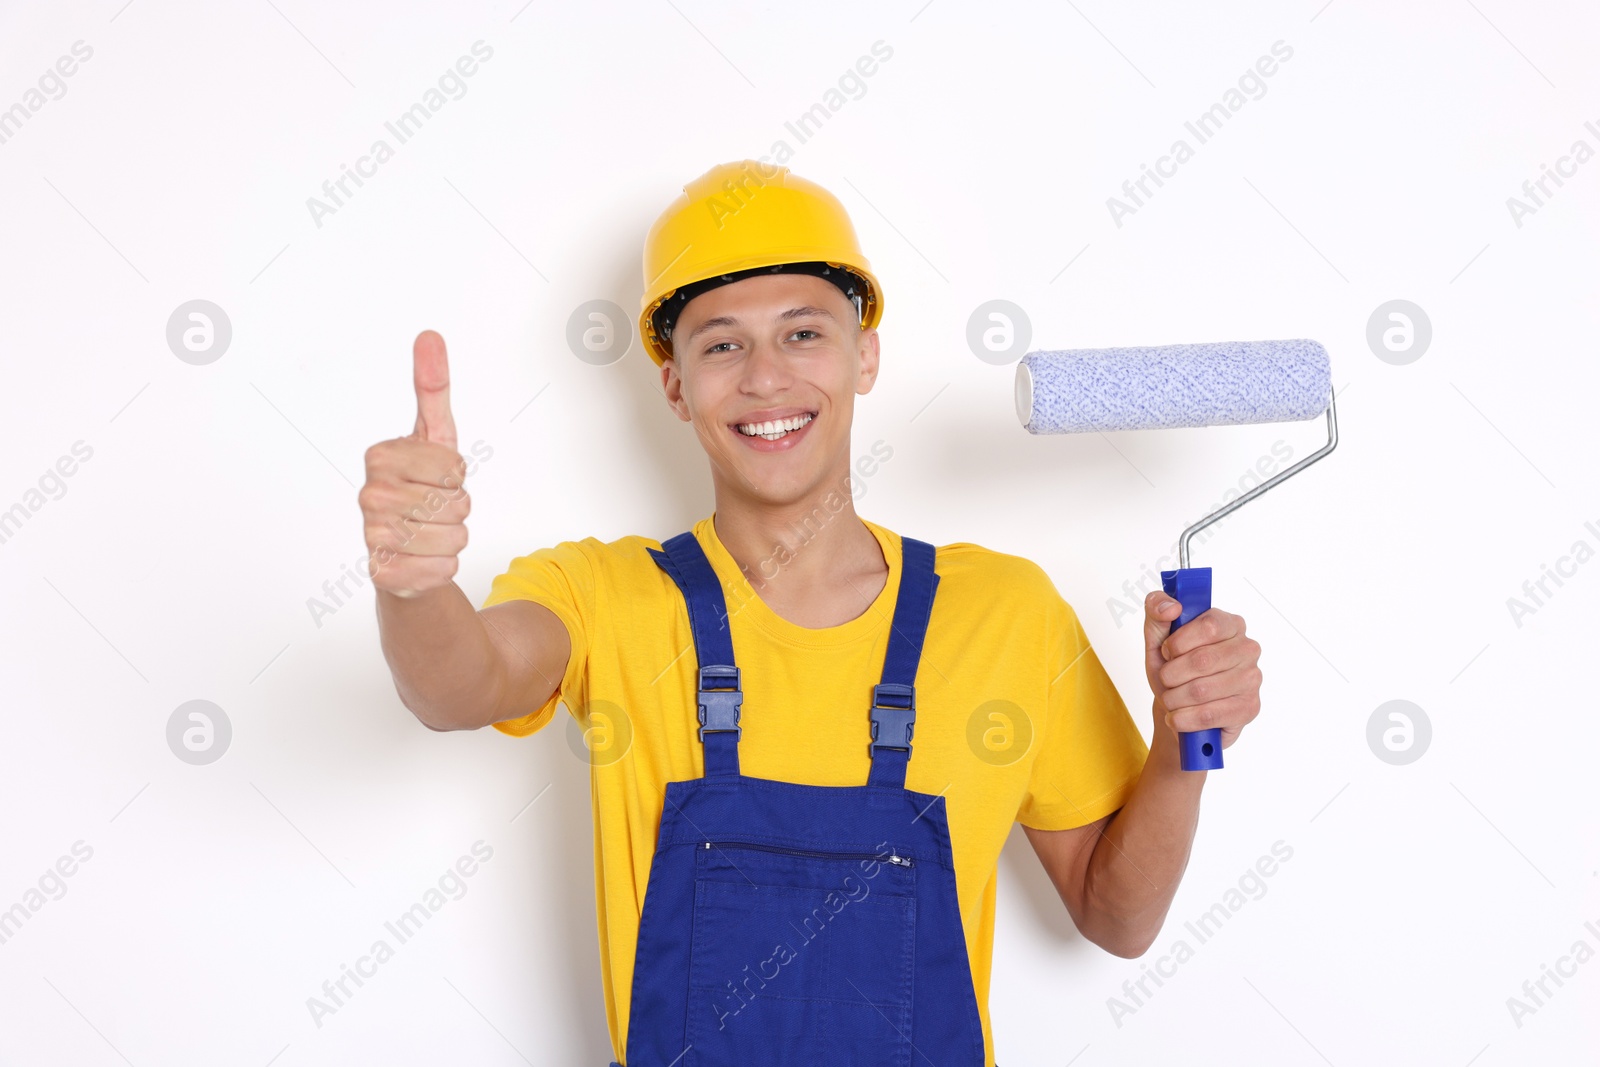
1223	384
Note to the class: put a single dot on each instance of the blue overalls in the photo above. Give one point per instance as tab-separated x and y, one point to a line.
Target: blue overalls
800	924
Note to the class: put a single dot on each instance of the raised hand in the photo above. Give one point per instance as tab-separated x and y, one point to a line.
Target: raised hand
415	504
1204	675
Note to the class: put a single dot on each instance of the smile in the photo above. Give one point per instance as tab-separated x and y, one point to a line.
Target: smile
776	429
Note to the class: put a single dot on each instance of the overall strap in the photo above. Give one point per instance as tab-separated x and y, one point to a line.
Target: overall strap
894	700
719	693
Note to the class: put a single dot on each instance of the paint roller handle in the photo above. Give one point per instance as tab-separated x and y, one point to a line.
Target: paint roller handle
1198	750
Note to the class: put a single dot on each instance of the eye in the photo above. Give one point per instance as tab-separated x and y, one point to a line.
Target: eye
812	332
718	345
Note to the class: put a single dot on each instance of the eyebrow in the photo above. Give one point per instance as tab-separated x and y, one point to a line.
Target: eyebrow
728	320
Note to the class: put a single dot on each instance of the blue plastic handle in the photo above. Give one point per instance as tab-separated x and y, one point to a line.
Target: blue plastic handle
1199	750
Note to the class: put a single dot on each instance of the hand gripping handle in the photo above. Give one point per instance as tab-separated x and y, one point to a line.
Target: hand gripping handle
1199	750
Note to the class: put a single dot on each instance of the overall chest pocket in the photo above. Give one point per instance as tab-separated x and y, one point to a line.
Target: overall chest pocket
800	956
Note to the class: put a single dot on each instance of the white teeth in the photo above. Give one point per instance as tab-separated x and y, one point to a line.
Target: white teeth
773	430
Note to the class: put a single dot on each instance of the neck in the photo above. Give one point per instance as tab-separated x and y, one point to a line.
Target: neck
802	544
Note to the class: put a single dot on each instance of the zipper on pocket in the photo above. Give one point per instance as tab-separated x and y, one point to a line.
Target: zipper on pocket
893	857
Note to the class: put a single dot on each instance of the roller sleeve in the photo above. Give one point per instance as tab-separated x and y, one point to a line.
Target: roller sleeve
1219	384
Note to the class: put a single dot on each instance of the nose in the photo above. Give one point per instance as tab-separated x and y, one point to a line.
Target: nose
766	368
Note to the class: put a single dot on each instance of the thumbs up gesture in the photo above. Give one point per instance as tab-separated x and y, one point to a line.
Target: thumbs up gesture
415	504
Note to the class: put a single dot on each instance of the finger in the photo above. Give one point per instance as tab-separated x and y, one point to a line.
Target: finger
439	467
1229	713
1234	682
383	502
1207	628
430	373
1159	612
421	538
416	462
1210	659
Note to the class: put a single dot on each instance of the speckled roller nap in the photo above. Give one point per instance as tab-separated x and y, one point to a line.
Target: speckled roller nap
1221	384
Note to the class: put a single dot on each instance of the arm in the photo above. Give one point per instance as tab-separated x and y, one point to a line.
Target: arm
454	667
1117	876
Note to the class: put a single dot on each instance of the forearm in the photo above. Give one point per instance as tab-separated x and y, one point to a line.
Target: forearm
446	668
1134	870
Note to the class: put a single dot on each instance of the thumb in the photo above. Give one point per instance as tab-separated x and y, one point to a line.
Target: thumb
431	375
1160	611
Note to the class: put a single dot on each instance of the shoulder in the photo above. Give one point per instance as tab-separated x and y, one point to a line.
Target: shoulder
965	560
621	561
997	579
586	571
588	557
620	551
1009	591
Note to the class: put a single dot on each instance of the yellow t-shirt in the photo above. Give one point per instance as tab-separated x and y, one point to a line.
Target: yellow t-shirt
1017	720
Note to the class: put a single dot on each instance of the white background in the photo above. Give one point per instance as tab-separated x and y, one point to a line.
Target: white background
179	560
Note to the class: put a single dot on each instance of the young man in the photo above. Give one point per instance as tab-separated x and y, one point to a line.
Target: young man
810	735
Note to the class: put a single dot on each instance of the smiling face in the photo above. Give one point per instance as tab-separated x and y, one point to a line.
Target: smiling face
768	369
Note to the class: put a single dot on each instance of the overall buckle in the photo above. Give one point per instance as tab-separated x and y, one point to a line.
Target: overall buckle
719	708
894	712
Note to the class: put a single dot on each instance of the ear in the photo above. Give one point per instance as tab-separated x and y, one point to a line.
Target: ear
868	352
672	387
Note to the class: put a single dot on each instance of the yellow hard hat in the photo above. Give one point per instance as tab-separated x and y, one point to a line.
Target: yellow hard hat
733	221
